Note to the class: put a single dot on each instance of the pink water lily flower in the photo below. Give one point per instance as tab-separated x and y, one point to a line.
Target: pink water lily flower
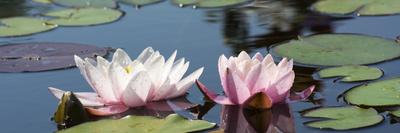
123	83
242	77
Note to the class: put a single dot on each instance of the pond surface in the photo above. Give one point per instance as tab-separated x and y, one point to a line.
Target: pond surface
199	35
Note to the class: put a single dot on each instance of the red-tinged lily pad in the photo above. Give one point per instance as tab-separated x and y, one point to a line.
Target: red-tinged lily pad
43	56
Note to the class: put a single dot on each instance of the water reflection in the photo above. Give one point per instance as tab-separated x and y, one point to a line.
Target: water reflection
278	20
12	8
235	119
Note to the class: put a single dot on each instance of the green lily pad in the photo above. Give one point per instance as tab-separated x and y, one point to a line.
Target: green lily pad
184	2
140	2
219	3
84	16
20	26
380	93
338	50
43	1
142	124
343	118
361	7
87	3
352	73
395	113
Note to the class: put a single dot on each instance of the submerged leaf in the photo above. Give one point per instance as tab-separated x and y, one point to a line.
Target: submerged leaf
32	57
352	73
20	26
84	16
338	49
87	3
361	7
142	124
380	93
343	118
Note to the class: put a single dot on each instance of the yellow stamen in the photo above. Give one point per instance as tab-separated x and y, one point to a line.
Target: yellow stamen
128	69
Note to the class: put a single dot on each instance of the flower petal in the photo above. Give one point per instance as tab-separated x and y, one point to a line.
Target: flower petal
81	65
101	84
186	83
86	98
167	67
107	110
212	96
301	95
121	57
258	57
178	70
146	53
237	88
138	90
252	77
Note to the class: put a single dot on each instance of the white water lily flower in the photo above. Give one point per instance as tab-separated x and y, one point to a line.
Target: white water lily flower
123	83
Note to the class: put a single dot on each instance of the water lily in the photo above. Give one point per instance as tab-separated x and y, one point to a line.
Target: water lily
123	83
243	78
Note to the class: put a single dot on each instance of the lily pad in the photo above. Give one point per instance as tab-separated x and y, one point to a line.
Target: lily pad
343	118
184	2
84	16
142	124
219	3
338	50
380	93
43	1
352	73
140	2
361	7
87	3
20	26
395	113
33	57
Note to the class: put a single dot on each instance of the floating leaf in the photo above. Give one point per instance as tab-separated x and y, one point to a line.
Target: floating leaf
43	1
32	57
219	3
142	124
140	2
84	16
352	73
20	26
395	113
338	49
343	118
380	93
184	2
87	3
361	7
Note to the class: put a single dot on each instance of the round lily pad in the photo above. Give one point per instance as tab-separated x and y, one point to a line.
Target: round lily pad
352	73
20	26
87	3
33	57
343	118
380	93
219	3
361	7
84	16
338	49
142	124
140	2
184	2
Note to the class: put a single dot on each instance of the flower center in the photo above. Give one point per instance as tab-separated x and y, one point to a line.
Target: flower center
128	69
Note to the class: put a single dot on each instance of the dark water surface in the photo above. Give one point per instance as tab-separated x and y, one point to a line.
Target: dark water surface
201	36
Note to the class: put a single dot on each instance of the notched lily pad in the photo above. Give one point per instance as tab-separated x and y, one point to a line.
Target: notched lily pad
43	56
20	26
352	73
87	3
343	118
140	2
84	16
338	50
142	124
380	93
361	7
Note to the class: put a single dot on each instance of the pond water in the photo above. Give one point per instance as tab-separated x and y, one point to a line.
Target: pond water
199	35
